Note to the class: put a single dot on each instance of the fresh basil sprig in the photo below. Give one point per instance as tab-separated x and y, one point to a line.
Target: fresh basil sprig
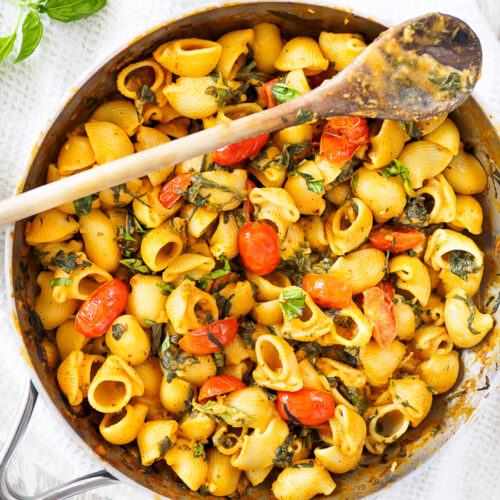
32	30
294	303
397	168
284	93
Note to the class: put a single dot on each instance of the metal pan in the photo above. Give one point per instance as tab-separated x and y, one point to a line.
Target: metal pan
120	463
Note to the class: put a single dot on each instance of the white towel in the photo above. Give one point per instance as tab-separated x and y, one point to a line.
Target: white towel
29	94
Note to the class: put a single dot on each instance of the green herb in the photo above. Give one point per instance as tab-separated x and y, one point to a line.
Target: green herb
472	309
246	330
436	429
284	93
174	359
304	116
248	73
397	168
411	129
315	185
69	261
303	465
166	289
32	30
198	450
118	330
312	350
226	269
290	156
225	413
219	358
165	445
83	206
156	335
225	95
355	182
348	170
450	83
462	264
355	396
126	242
61	282
431	389
414	214
294	305
136	265
122	188
144	96
283	455
496	304
204	491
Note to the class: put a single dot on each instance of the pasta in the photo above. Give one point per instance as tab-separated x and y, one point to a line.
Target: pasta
293	305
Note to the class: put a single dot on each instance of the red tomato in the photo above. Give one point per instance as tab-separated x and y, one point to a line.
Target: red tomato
101	309
307	406
327	291
404	238
247	204
211	337
259	247
387	288
341	137
168	193
222	384
379	311
267	93
239	151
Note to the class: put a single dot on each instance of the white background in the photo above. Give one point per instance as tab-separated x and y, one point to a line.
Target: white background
31	91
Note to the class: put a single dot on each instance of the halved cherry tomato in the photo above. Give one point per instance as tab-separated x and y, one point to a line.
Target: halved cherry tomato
404	238
341	137
327	291
101	309
222	384
258	246
387	288
267	93
239	151
210	338
379	311
307	406
247	204
168	194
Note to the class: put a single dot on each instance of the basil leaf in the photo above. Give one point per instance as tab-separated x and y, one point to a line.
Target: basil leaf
83	206
304	116
32	34
136	265
198	450
462	264
472	309
294	305
203	281
166	289
450	83
397	168
315	185
118	330
284	93
60	282
71	10
69	261
164	445
7	42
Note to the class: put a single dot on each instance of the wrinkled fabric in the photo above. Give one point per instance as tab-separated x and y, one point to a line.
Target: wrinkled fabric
30	93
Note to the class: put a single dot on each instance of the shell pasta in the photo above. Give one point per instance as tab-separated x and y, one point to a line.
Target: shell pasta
290	303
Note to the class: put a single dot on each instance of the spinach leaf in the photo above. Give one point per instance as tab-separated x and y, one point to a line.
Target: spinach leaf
144	96
462	264
294	303
355	396
414	214
174	359
69	261
83	206
32	34
284	93
225	413
283	455
70	10
61	282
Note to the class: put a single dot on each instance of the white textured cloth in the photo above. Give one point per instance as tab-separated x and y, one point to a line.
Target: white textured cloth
29	94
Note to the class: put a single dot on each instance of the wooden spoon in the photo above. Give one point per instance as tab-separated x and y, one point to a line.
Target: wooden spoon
420	69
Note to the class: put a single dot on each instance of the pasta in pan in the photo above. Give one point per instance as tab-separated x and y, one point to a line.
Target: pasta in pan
289	302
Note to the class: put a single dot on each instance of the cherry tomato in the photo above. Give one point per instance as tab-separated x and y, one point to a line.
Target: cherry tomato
211	337
247	204
327	291
258	246
404	238
341	137
307	406
101	309
222	384
168	194
267	93
239	151
387	288
379	311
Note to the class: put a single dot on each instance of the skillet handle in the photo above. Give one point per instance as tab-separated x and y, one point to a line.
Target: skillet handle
79	485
